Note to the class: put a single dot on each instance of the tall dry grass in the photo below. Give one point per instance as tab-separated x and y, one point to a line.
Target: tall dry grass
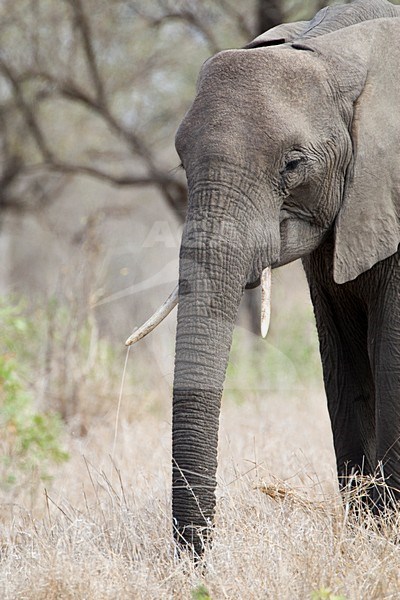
103	530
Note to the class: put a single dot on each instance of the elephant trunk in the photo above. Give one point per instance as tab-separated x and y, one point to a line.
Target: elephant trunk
215	260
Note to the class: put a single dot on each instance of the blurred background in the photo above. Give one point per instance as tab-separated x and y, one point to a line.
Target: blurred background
92	202
91	207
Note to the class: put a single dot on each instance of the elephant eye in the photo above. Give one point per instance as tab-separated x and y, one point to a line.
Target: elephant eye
293	164
293	172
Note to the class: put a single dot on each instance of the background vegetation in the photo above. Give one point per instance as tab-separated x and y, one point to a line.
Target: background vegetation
91	205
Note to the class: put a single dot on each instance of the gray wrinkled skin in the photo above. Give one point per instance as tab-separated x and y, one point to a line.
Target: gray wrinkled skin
292	149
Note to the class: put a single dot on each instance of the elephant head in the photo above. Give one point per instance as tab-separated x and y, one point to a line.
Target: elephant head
287	141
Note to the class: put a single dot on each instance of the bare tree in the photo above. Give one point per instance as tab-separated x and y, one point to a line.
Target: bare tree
96	88
116	65
76	66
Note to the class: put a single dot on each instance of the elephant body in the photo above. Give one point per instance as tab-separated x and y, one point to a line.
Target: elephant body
358	326
291	150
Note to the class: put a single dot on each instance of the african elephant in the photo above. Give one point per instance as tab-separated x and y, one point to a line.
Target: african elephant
291	149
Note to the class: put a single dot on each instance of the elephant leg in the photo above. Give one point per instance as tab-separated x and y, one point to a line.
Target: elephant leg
384	347
342	330
349	385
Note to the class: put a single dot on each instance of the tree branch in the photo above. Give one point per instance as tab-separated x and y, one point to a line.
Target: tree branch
82	22
71	169
173	190
69	90
187	16
238	18
26	111
270	14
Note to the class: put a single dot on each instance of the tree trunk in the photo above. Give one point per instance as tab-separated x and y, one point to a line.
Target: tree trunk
269	14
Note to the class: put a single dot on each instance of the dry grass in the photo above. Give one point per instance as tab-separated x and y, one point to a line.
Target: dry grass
103	529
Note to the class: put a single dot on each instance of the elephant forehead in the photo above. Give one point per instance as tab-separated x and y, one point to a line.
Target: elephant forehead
264	72
256	94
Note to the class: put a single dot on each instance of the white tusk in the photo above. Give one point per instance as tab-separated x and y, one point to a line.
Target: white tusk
155	320
265	300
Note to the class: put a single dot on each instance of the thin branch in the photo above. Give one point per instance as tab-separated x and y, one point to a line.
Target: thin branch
68	89
174	191
239	18
270	14
40	198
11	170
71	169
82	22
187	16
73	92
26	111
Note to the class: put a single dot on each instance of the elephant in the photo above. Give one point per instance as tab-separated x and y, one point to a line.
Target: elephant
291	149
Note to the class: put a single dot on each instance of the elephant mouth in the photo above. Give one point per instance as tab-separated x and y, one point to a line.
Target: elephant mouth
254	283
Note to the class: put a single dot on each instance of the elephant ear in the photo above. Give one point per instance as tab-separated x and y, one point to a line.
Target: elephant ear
365	59
328	19
278	35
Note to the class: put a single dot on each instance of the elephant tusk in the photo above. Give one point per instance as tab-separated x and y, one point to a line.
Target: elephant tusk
265	300
154	320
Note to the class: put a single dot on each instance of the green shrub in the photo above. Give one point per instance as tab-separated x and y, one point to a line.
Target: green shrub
325	594
200	592
30	440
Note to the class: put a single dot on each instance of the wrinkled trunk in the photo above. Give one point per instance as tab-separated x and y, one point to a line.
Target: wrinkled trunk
214	264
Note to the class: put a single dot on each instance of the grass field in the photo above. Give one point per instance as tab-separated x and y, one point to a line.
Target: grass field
100	526
103	531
